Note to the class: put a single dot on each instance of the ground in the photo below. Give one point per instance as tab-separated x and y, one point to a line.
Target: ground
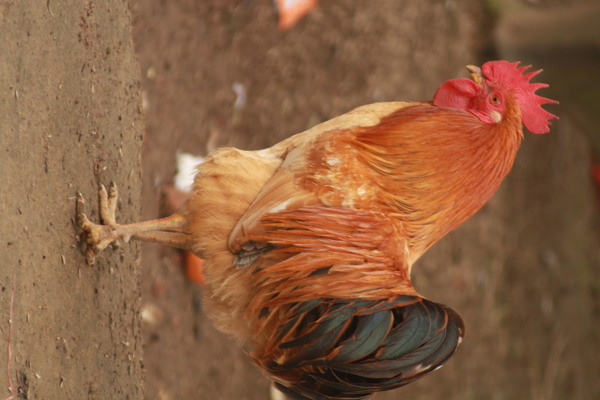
93	92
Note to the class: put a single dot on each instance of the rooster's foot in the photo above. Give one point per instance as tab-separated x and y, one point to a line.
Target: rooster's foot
99	236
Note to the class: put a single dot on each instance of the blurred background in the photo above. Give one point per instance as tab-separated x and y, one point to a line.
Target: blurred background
523	274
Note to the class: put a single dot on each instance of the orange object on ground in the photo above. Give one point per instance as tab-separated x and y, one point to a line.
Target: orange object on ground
291	11
193	268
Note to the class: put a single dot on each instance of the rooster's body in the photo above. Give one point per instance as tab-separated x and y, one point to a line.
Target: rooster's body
308	245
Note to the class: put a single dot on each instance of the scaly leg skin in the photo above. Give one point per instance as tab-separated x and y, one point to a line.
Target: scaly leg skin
170	231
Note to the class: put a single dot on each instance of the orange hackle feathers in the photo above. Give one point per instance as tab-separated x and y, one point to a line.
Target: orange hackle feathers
405	167
433	182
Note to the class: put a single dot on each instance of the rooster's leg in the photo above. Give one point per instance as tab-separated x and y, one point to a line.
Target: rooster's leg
170	231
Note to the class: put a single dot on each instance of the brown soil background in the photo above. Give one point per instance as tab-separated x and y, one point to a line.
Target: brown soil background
95	92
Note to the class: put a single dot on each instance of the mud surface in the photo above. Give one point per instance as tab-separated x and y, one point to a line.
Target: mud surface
70	118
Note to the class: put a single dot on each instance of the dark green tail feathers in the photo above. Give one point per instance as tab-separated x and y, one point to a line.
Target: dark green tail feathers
349	349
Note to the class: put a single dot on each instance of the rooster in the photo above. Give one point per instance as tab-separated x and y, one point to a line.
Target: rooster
308	245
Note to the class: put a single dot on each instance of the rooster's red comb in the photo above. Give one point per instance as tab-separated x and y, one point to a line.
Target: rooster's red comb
510	76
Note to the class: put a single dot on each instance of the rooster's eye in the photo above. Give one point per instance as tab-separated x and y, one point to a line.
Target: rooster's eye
495	99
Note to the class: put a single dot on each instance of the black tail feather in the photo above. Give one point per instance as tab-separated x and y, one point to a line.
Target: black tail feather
366	347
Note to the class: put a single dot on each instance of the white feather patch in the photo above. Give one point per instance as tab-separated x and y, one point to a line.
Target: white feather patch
186	170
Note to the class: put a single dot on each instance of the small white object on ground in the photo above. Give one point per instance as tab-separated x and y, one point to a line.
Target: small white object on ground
276	394
186	170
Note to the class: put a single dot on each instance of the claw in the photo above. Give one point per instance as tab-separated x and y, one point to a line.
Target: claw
102	196
113	197
90	256
108	204
82	220
85	225
97	237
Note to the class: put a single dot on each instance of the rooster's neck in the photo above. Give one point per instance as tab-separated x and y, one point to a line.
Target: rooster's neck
438	169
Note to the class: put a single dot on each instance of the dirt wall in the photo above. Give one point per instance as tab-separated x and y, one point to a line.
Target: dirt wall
69	119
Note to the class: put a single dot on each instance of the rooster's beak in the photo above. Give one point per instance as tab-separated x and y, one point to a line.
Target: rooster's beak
475	72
